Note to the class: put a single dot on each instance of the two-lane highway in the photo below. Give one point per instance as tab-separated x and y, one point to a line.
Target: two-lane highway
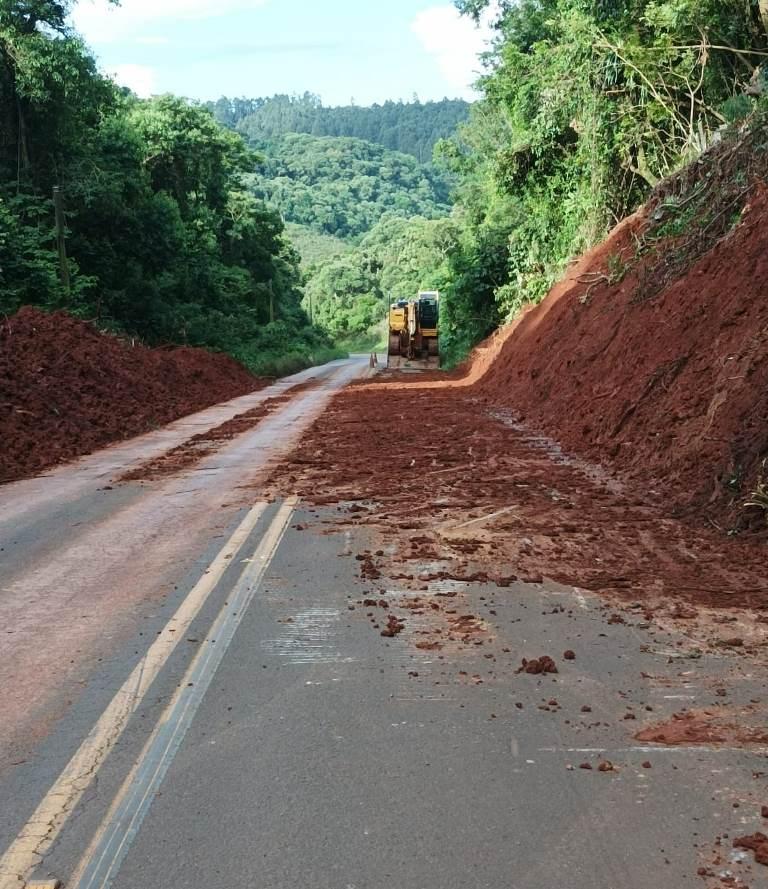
194	695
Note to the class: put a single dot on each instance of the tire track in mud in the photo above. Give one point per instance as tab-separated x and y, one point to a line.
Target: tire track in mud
194	449
451	478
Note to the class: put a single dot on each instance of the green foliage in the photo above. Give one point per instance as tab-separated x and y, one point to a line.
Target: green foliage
164	238
314	247
27	265
407	127
343	186
350	294
278	349
587	105
345	296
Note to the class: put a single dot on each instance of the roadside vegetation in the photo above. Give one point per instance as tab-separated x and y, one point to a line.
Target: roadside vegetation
163	238
585	108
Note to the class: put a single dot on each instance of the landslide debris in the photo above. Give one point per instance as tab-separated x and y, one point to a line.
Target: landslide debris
67	389
543	664
651	358
204	443
757	843
608	438
537	514
743	728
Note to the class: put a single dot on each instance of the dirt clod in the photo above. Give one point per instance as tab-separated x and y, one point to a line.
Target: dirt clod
757	843
543	664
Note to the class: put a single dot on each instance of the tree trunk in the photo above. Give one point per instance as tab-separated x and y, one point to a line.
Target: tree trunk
763	7
22	136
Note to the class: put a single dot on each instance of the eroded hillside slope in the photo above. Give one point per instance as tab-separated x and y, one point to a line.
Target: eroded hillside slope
654	359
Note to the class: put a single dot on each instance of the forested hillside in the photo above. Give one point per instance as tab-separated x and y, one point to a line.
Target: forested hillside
341	186
408	127
339	194
584	109
159	236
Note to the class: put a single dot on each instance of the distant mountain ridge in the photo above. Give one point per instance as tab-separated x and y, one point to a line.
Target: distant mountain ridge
408	127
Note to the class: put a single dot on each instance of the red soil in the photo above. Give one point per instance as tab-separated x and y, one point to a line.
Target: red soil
198	446
671	390
66	389
439	465
757	843
662	388
706	727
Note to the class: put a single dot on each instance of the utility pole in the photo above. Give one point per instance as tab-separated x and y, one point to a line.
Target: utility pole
60	235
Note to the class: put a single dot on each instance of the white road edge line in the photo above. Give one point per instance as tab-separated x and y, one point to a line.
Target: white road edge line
41	830
102	860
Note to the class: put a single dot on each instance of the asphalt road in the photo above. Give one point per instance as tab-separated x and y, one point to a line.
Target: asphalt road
193	696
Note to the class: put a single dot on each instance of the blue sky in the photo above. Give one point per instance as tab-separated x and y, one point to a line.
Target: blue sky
339	49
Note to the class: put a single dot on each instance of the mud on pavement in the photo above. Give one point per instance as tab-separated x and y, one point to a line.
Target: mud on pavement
466	512
445	475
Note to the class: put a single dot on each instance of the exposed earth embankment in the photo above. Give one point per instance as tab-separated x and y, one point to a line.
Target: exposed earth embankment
670	387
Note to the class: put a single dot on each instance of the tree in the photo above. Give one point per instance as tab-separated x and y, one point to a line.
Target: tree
342	186
163	237
586	105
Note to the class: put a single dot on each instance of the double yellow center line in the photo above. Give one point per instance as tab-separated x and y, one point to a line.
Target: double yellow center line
102	860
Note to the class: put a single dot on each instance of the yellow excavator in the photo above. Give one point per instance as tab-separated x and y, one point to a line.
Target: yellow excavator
414	331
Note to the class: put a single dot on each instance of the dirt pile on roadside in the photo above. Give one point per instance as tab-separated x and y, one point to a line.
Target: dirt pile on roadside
66	389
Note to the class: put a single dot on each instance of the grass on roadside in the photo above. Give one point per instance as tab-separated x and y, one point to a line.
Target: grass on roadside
283	364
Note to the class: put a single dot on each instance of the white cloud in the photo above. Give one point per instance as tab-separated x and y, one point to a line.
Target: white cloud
138	78
100	22
455	42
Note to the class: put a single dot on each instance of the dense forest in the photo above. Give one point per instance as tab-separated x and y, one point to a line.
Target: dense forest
344	179
408	127
158	234
342	186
